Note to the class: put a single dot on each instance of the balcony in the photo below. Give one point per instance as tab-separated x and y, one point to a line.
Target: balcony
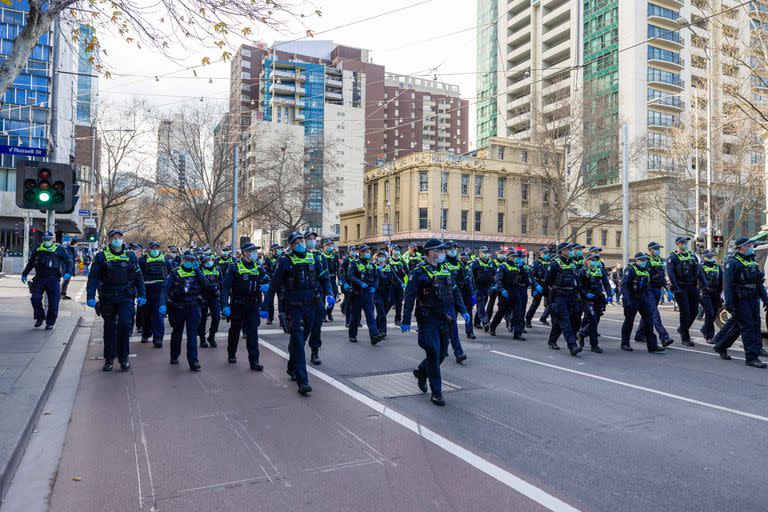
659	77
334	96
279	88
556	34
665	36
657	13
520	36
299	116
520	54
667	58
519	19
558	52
282	73
334	83
557	15
665	101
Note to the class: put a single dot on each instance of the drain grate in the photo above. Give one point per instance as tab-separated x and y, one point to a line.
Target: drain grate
392	385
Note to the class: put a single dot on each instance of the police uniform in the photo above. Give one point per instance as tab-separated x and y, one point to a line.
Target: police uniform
500	258
635	286
50	265
72	249
297	275
182	297
270	264
332	264
413	259
563	305
383	296
483	275
223	262
508	277
241	297
155	271
363	279
344	285
517	316
210	306
458	277
437	298
538	276
400	270
314	339
710	294
657	274
115	273
593	288
468	291
683	273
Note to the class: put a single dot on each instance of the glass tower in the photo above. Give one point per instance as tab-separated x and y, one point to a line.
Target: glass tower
487	70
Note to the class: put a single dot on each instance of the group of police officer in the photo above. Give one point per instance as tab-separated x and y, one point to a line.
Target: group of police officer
196	286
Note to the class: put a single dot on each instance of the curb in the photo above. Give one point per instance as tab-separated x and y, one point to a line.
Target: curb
7	472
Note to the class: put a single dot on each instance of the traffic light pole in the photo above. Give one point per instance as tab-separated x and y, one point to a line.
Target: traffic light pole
50	221
27	226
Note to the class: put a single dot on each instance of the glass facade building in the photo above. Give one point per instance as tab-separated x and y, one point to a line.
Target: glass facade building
86	84
487	70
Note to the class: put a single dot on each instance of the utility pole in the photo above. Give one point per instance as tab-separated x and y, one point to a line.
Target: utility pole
696	181
235	180
625	190
710	153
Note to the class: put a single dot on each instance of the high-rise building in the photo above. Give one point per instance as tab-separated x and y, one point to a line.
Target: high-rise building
88	149
176	163
487	70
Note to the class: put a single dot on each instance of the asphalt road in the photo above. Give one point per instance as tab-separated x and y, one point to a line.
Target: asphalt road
527	428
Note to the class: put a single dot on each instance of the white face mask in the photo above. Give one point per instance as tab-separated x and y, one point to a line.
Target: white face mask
154	253
208	264
47	243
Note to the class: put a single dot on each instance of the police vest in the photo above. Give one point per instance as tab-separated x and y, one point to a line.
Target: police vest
302	275
331	262
155	269
656	271
46	258
540	269
120	269
594	279
365	272
246	281
511	275
747	277
186	288
483	272
685	270
712	275
398	265
386	277
454	269
565	277
641	280
438	293
213	276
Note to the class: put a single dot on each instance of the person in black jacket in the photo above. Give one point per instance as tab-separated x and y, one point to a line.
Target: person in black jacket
363	278
50	262
483	271
210	306
710	293
595	292
400	269
683	273
155	268
383	296
332	264
72	248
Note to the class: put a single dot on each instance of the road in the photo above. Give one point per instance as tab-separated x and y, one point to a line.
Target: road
526	428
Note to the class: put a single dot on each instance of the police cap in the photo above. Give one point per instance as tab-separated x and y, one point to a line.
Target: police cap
595	249
188	255
310	233
742	241
113	232
413	244
641	256
563	246
48	235
708	253
681	239
248	246
593	256
433	244
450	244
576	245
483	248
295	236
655	245
154	244
363	247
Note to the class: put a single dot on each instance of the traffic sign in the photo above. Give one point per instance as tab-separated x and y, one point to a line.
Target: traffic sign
84	213
23	151
89	221
386	229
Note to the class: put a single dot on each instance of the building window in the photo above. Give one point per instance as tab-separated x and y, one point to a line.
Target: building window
346	233
589	236
604	238
423	181
500	223
397	187
357	237
397	221
444	182
386	191
524	191
444	219
618	238
478	221
501	152
465	184
524	224
501	183
423	222
464	219
478	186
545	226
525	156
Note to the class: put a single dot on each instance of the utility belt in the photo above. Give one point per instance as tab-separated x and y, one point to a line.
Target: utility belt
427	312
193	300
247	299
561	290
117	292
746	291
313	301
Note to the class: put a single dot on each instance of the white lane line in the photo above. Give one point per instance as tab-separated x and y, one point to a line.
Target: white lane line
527	489
639	388
701	352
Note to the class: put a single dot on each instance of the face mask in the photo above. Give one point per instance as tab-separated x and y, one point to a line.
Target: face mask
225	253
710	260
382	261
329	249
196	264
440	258
366	255
188	265
174	254
254	255
570	254
208	264
300	248
483	255
47	243
117	243
519	261
154	253
311	244
641	263
579	252
279	252
397	253
353	254
452	253
750	251
546	257
683	247
594	263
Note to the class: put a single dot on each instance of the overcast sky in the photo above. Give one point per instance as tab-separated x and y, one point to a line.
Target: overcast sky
414	40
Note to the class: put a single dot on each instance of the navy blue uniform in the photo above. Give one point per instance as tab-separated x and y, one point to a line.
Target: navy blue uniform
182	296
155	271
345	287
494	292
331	261
508	278
710	295
211	306
49	264
518	315
657	277
460	277
635	284
297	277
363	278
72	249
563	304
383	296
117	277
683	273
593	288
400	270
743	289
538	276
241	291
313	336
483	274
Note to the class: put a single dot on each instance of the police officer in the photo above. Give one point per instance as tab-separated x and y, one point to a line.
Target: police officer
155	269
241	294
500	258
578	255
50	262
595	292
181	299
174	257
275	253
458	277
298	275
683	273
743	290
658	278
225	259
210	306
344	285
383	296
518	315
315	341
363	278
635	296
710	292
538	292
563	305
400	270
483	275
115	273
413	257
468	290
72	249
332	264
437	299
507	279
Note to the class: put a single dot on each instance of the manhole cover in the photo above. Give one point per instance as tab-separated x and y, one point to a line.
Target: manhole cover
391	385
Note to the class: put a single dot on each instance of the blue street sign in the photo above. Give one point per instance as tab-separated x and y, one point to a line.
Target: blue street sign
84	213
22	151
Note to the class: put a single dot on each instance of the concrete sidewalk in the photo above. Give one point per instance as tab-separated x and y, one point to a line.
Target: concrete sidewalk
29	361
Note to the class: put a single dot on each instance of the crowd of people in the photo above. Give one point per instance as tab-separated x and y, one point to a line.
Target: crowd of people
300	283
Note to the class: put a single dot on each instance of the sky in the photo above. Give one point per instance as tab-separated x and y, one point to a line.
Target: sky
428	36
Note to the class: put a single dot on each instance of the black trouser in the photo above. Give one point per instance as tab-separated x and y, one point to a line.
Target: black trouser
535	301
246	317
397	301
688	304
209	307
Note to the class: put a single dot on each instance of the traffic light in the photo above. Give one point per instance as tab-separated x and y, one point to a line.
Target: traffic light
90	235
717	240
45	186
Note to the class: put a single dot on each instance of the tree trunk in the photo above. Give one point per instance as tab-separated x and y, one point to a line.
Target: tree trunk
37	24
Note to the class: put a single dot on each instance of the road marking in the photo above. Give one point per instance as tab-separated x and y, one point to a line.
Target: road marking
505	477
682	348
639	388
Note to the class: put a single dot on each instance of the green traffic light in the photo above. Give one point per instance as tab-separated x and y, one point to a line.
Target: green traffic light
44	197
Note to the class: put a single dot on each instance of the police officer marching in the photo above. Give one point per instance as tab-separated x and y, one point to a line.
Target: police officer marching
332	264
270	264
563	304
508	277
710	293
210	306
315	339
344	285
538	274
635	297
400	270
363	278
297	275
115	273
459	277
595	293
72	249
657	274
51	262
241	300
413	257
225	259
517	316
174	257
155	268
683	273
383	297
483	274
181	299
468	291
437	299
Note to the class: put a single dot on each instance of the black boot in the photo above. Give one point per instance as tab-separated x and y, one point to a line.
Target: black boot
461	358
107	365
596	349
580	339
756	363
315	358
255	366
576	350
195	366
437	399
625	346
688	343
421	380
304	389
38	323
125	366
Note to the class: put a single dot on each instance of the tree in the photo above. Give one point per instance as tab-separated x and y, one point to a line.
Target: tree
160	25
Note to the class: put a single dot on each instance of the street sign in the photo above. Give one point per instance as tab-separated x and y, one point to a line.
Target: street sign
386	229
89	221
23	151
84	213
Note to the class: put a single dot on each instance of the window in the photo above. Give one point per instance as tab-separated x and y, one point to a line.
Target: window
618	238
525	155
604	238
501	152
386	191
478	185
397	221
444	219
423	181
524	224
545	199
465	184
423	222
444	182
397	186
357	237
346	233
524	191
500	222
464	217
478	221
501	187
545	226
589	236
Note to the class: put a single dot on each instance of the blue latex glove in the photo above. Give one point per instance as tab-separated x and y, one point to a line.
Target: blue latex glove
364	286
372	289
405	328
467	318
539	289
263	313
474	299
67	277
91	303
141	301
24	279
404	286
263	288
330	300
609	300
590	295
346	287
504	293
162	310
